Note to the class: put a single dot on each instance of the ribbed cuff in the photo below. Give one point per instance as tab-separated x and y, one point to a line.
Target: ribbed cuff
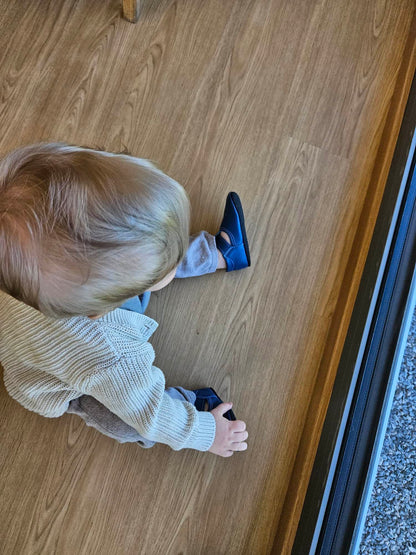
204	434
214	252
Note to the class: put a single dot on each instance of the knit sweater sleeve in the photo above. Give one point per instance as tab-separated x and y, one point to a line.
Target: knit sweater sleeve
134	389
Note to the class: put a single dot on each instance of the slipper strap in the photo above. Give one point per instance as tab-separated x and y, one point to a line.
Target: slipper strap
225	249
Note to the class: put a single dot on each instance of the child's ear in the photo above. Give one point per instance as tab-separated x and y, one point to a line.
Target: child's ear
95	317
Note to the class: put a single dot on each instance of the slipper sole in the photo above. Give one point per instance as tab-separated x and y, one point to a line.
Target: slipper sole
238	206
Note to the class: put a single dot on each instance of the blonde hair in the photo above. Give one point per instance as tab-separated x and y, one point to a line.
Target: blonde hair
83	230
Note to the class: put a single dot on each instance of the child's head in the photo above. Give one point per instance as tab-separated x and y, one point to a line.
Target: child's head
81	230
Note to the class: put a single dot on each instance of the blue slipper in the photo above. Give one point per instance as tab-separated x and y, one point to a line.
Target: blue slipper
236	253
207	399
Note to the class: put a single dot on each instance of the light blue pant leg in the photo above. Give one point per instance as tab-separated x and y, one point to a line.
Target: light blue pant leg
97	416
201	257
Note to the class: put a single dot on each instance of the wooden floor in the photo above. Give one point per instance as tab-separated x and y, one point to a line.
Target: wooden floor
295	105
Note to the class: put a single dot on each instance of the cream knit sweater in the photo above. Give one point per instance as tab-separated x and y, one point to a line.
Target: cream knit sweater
48	362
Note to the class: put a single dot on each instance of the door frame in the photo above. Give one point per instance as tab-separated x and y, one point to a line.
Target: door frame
344	470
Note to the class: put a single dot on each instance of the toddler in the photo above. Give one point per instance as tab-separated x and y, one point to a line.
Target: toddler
85	237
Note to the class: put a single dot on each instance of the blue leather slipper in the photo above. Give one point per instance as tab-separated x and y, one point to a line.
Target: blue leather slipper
237	252
207	399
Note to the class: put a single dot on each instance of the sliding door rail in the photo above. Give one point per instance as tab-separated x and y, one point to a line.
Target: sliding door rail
339	488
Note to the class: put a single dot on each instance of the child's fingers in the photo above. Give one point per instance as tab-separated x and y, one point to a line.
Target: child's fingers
224	407
239	426
240	446
240	436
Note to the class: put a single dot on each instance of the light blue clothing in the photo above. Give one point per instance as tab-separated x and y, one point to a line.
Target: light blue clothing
138	303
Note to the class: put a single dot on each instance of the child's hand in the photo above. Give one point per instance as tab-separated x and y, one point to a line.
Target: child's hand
230	436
